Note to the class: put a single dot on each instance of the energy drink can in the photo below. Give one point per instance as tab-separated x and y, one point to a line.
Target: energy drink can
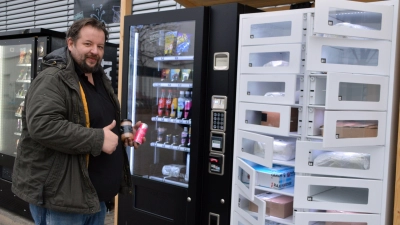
140	133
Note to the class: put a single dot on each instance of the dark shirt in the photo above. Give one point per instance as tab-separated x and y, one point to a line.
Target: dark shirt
105	170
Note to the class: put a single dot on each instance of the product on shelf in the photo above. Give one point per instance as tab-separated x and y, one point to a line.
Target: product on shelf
277	205
160	133
188	104
278	63
184	136
350	160
174	105
182	43
283	150
174	74
185	74
189	136
170	43
161	103
181	104
22	54
174	170
28	56
168	103
165	74
277	177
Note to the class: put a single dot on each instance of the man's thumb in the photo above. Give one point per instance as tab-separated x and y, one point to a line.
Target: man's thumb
111	126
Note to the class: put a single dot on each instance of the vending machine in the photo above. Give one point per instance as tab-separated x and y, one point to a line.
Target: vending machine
21	53
179	77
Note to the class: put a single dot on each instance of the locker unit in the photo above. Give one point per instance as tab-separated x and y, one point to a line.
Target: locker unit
335	65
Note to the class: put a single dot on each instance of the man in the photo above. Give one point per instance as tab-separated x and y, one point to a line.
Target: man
70	159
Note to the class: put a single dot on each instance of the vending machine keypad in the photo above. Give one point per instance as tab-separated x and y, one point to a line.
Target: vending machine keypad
218	120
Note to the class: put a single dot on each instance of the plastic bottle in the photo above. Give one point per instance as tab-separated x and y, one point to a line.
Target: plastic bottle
168	103
161	103
181	104
189	135
174	105
188	104
184	136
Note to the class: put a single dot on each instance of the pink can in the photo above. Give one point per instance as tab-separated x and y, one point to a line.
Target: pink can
140	133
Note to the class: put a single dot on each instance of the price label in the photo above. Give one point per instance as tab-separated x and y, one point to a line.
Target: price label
176	58
163	145
175	147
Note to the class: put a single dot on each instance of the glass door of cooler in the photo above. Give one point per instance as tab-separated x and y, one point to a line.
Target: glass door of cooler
162	86
16	71
160	95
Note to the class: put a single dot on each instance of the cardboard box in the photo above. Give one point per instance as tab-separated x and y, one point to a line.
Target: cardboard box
280	206
273	119
356	131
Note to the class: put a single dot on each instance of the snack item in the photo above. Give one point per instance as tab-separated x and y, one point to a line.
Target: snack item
126	129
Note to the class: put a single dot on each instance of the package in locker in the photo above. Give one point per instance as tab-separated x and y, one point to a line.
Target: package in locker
277	177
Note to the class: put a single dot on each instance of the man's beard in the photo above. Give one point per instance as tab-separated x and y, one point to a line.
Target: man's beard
86	68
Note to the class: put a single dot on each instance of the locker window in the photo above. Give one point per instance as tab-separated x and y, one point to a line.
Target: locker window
253	147
351	195
356	129
268	89
359	92
336	159
267	30
269	59
349	55
354	19
264	118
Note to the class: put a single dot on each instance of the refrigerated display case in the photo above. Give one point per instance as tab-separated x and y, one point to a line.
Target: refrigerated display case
21	53
179	78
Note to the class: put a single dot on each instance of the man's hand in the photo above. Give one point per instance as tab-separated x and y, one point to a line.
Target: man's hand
129	141
110	139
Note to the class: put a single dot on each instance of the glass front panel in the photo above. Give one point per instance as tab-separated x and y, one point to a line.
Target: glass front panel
160	94
354	19
349	56
252	147
15	78
266	30
356	128
269	59
359	92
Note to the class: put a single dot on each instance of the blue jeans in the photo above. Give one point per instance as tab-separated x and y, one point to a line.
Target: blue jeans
43	216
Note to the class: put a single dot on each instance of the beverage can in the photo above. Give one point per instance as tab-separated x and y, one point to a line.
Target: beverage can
140	133
168	139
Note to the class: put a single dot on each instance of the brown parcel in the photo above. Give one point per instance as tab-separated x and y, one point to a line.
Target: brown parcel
281	206
273	119
355	132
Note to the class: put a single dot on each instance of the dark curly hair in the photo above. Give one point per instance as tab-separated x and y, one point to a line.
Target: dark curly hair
73	31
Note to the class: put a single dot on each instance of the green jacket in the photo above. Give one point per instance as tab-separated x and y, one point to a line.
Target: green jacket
50	167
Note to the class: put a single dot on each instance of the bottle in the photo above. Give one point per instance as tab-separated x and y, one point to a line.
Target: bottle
168	103
174	105
189	135
126	129
140	133
184	136
161	103
188	104
181	105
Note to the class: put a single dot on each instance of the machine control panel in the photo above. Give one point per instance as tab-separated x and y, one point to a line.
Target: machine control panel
216	164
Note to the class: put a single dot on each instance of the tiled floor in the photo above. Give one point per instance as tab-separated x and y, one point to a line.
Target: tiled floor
9	218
